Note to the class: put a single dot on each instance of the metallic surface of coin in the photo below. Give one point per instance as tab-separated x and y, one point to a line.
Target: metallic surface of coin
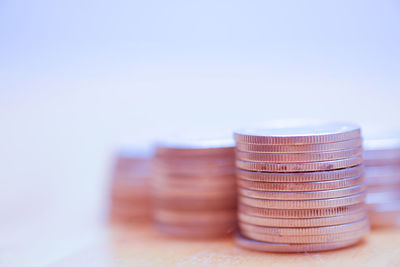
305	231
196	217
308	186
302	204
299	167
301	176
301	213
298	132
305	239
298	157
260	148
278	247
341	192
304	222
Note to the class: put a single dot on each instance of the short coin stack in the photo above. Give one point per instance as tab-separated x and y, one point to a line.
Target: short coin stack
130	186
301	187
194	188
382	175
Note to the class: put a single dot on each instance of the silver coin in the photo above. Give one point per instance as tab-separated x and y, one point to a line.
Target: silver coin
298	132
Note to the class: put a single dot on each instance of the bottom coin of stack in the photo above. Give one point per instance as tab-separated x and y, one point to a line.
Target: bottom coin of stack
301	188
194	188
130	186
382	172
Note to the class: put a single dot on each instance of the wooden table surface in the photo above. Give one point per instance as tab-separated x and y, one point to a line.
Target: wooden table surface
139	245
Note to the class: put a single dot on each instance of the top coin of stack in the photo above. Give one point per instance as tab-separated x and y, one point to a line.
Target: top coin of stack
301	186
194	188
130	186
382	175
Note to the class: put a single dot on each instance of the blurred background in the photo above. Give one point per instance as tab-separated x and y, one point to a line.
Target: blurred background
78	78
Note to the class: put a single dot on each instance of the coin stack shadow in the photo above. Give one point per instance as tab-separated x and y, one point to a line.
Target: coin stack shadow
300	188
130	188
194	189
382	175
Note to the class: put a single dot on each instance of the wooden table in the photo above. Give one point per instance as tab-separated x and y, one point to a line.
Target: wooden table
140	245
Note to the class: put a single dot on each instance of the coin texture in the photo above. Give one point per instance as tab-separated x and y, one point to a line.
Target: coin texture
299	167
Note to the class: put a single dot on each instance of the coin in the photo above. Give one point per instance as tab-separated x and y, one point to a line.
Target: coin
197	231
308	186
341	192
303	222
301	213
299	133
385	214
193	193
305	239
302	204
195	217
300	177
299	167
186	203
260	148
301	231
278	247
298	157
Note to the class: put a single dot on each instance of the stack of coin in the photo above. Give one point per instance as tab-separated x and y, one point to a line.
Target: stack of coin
130	186
301	186
382	175
194	188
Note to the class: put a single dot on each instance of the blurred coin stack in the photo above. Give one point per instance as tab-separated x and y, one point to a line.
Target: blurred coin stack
130	186
194	188
301	186
382	175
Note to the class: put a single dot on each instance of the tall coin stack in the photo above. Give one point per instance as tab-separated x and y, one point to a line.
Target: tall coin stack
382	175
130	186
301	186
194	188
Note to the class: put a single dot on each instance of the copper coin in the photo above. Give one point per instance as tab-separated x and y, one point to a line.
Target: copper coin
305	239
305	231
341	192
298	157
302	213
277	247
190	193
304	222
197	231
178	172
298	133
302	204
185	203
309	186
260	148
299	167
301	176
195	217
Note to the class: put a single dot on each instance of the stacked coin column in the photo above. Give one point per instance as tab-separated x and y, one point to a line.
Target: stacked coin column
300	188
194	189
382	174
130	187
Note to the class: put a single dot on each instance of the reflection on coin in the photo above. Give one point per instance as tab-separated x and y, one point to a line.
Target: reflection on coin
309	186
298	132
304	239
301	213
261	148
300	177
279	247
303	222
299	167
341	192
302	204
302	231
298	157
